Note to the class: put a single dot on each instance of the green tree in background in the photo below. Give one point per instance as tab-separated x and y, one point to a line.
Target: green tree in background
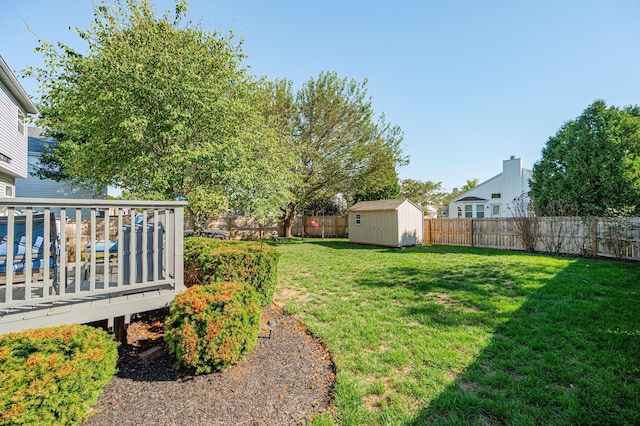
161	108
426	194
591	166
380	184
338	145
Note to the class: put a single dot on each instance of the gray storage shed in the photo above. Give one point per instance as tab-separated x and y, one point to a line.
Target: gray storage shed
388	223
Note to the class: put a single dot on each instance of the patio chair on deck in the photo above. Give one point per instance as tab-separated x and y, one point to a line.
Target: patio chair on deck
20	245
112	244
129	232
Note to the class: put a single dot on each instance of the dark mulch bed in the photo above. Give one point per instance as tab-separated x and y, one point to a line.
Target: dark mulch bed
285	381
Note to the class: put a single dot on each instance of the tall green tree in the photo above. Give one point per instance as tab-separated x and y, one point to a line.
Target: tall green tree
161	108
591	166
337	142
425	193
381	183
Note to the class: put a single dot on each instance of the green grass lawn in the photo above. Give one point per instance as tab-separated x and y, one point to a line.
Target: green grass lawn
449	335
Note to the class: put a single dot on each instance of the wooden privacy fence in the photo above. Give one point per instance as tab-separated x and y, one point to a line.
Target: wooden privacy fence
606	237
246	228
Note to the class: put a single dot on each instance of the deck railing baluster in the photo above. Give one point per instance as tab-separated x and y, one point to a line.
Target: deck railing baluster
48	287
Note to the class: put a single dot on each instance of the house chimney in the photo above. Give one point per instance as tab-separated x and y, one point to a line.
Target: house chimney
512	157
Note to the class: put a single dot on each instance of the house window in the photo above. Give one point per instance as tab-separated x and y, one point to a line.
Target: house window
21	124
468	210
358	219
495	210
496	195
459	211
480	210
5	158
8	191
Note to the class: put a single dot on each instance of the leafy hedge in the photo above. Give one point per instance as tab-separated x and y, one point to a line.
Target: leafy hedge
53	375
208	260
210	327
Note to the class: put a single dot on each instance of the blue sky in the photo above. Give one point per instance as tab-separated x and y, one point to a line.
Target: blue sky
469	82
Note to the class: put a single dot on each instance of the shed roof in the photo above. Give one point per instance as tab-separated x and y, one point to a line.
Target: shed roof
380	205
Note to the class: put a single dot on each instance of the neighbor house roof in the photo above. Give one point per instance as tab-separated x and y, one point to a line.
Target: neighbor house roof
15	89
379	205
472	198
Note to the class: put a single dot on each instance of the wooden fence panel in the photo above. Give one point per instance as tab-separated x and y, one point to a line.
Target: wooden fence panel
327	226
496	233
618	237
604	237
564	235
246	228
453	232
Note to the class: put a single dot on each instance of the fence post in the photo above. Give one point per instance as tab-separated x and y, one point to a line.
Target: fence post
594	236
427	231
471	232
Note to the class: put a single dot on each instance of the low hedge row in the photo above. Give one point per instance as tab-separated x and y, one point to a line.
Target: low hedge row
210	327
208	260
53	375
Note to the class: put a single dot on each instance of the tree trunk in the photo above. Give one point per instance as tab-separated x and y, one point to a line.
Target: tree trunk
199	221
288	217
287	224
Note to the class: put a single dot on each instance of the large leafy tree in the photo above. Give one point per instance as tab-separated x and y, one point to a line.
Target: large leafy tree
380	182
161	108
337	142
425	193
591	166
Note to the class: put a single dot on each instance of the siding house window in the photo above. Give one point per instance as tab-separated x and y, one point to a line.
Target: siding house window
21	119
459	211
495	210
358	219
480	210
496	195
8	191
468	210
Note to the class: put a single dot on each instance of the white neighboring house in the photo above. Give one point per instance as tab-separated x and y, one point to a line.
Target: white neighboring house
15	105
492	197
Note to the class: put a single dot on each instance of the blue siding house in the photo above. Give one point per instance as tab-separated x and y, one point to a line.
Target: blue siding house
34	187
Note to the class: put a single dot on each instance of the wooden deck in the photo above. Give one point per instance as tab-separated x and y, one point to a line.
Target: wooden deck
144	273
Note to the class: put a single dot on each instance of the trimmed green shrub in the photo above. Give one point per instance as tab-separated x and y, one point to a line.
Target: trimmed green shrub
208	260
53	375
210	327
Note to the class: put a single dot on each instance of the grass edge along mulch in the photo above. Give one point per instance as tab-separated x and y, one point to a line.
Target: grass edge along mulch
444	335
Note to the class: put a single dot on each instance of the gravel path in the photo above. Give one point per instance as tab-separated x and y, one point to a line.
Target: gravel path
285	381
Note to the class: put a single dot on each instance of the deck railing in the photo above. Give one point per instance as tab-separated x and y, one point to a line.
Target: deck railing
88	259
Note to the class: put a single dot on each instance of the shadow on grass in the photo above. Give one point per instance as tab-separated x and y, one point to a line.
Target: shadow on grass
466	291
569	355
343	244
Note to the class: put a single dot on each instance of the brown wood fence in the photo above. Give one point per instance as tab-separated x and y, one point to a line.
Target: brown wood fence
606	237
246	228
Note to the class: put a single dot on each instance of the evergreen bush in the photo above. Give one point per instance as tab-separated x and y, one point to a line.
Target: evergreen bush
208	260
53	375
210	327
